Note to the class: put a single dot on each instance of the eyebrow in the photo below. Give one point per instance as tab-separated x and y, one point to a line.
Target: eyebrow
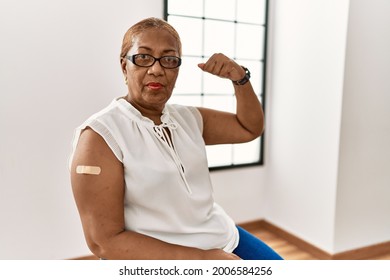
164	51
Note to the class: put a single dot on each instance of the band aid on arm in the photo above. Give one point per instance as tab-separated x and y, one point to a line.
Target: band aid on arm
85	169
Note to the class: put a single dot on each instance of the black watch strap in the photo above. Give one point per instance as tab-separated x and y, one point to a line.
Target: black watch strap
244	80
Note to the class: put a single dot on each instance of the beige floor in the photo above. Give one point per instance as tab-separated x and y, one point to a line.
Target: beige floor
289	251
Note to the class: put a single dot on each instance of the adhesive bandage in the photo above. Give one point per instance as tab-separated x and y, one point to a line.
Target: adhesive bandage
85	169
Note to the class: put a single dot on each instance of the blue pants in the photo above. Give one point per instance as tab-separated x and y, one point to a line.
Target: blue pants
252	248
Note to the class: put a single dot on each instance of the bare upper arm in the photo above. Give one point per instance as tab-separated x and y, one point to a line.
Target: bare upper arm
99	198
223	128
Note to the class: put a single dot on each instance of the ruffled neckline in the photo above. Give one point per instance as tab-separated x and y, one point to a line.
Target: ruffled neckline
136	115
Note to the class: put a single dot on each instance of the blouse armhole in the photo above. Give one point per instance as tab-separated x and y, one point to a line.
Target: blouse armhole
100	129
198	117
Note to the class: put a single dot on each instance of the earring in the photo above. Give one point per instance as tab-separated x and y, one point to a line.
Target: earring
126	80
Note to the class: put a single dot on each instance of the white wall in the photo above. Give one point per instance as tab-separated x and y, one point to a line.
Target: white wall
363	193
304	103
59	62
241	192
327	177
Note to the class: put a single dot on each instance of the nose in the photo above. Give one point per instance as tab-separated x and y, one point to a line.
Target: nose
156	69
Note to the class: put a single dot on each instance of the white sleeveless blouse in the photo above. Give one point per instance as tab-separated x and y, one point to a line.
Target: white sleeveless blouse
168	192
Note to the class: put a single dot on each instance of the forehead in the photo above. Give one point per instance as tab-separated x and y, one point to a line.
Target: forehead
155	40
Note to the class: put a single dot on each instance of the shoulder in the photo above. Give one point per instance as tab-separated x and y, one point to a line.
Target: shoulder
93	146
98	133
188	114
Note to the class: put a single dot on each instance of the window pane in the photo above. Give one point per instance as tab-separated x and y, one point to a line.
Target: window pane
190	31
219	155
246	152
222	103
250	41
216	85
219	38
251	11
190	76
189	100
220	9
188	8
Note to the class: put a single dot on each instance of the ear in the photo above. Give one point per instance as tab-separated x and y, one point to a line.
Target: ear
123	65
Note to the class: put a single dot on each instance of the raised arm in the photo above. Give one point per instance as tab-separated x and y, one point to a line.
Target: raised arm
99	199
224	127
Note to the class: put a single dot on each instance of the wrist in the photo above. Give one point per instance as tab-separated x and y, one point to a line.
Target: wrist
245	79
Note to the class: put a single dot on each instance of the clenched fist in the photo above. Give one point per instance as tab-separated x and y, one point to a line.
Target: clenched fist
222	66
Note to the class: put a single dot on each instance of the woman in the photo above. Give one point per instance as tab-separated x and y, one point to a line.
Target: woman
139	169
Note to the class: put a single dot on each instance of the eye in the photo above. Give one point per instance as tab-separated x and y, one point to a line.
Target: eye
170	61
143	59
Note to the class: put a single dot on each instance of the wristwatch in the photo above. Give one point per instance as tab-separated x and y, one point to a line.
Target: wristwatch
244	80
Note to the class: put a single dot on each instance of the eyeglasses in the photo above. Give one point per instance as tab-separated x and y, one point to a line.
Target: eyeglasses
147	60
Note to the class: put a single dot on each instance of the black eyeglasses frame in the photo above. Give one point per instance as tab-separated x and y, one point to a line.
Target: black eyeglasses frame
133	57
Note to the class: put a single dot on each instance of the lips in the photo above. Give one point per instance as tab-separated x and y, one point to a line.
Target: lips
154	86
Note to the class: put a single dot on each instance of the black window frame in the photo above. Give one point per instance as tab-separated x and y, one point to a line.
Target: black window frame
262	94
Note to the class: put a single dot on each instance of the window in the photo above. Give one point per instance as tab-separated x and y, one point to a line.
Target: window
236	28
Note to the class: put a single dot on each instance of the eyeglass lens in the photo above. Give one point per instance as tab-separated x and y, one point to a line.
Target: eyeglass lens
145	60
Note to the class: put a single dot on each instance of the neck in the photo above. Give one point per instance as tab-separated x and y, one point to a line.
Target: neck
150	112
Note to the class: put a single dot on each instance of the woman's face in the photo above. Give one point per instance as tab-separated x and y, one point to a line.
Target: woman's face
151	87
